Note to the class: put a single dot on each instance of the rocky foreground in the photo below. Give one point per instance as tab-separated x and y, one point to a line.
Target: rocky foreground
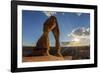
69	53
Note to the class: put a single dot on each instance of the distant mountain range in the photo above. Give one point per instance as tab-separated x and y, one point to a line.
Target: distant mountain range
73	43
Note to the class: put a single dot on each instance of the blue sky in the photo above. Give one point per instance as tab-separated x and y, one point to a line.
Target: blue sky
32	25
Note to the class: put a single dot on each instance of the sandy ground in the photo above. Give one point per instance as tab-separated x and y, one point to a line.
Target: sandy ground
45	58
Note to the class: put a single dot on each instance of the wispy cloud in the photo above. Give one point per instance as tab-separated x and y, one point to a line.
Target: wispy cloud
49	13
63	13
79	14
81	33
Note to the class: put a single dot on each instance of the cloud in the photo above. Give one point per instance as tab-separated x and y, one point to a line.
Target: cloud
81	33
79	14
49	13
63	13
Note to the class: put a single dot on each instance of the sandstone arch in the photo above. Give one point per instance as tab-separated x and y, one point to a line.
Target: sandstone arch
43	44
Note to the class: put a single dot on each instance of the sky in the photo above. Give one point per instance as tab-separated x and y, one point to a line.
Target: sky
72	26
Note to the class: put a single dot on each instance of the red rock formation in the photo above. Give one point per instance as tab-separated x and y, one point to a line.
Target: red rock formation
43	44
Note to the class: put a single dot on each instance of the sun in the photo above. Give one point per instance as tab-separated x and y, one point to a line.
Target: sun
76	39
